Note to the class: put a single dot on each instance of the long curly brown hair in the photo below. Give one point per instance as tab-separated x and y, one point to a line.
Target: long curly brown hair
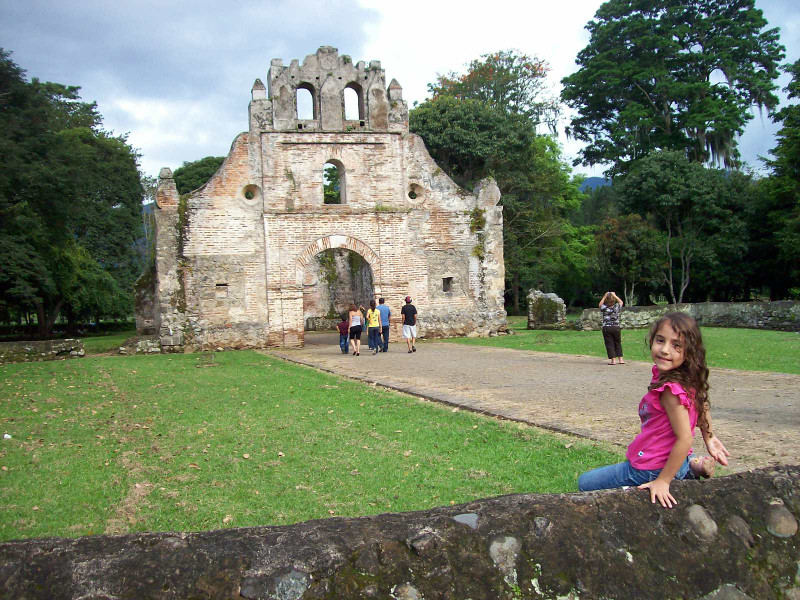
693	373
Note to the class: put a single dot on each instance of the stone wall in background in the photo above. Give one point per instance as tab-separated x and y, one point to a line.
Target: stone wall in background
546	311
40	350
782	316
730	537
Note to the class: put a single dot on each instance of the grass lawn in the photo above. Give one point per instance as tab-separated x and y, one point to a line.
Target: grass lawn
99	344
154	443
747	349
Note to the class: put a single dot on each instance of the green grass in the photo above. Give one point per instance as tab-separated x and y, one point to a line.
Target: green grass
153	443
99	344
746	349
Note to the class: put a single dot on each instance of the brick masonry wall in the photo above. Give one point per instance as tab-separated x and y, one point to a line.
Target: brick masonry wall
232	271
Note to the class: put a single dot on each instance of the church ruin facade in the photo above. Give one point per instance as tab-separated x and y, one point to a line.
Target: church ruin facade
233	257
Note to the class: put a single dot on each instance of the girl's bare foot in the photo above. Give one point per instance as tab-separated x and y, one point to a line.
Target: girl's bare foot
622	362
702	466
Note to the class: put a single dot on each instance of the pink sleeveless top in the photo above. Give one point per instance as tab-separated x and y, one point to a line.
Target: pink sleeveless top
650	449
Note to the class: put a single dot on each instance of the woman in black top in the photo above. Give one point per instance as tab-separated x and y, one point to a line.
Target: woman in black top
609	306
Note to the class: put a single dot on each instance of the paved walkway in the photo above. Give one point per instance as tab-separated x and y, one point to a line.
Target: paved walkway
756	415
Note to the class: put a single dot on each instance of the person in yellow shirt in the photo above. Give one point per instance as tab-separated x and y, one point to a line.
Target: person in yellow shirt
374	327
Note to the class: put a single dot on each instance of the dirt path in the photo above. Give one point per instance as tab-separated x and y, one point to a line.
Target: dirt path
755	414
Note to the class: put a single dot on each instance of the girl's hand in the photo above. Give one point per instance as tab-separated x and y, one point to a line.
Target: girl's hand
717	450
659	490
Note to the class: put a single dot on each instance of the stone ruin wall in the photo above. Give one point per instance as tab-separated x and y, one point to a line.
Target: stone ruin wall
732	537
782	315
232	257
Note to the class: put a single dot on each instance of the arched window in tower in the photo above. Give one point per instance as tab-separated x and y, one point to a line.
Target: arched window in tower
353	102
305	102
333	183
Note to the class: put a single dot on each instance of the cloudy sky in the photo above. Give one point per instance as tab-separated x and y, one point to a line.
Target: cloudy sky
175	75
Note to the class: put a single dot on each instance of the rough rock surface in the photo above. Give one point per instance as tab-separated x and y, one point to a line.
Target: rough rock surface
546	311
783	315
34	351
616	544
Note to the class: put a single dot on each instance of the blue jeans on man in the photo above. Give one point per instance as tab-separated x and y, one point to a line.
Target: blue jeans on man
343	338
385	336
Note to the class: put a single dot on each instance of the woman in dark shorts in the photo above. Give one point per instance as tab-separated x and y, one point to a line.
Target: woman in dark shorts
356	327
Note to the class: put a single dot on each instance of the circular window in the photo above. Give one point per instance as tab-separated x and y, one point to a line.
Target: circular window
416	193
251	194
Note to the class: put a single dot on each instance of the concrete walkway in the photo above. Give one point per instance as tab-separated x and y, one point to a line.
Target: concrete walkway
755	414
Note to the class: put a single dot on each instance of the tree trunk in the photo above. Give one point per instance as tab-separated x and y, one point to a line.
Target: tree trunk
515	294
668	274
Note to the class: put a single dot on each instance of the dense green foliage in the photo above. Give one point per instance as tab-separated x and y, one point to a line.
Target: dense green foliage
695	209
629	248
70	205
194	174
331	185
154	443
506	79
483	124
775	215
671	76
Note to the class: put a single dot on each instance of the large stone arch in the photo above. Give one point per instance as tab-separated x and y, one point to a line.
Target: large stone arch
346	242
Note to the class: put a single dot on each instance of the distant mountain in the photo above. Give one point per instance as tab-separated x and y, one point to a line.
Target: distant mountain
594	182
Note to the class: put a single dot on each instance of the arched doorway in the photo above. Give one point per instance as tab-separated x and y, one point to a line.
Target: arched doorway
334	279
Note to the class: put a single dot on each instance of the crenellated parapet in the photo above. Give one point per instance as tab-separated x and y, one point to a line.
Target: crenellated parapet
326	75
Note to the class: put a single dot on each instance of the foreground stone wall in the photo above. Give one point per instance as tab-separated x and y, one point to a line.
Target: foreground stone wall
40	350
733	537
781	316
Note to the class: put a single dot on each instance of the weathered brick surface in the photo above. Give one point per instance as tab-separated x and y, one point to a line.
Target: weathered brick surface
233	257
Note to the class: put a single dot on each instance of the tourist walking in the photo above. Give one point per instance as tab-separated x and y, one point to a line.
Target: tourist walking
676	400
374	327
612	335
356	321
344	333
409	314
385	315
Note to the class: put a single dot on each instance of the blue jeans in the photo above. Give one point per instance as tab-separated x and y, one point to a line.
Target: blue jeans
343	342
623	474
374	338
385	336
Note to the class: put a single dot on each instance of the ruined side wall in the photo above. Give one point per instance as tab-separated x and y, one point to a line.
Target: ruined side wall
169	306
732	537
224	253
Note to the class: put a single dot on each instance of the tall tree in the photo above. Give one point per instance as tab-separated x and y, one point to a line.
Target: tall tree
629	248
678	76
69	202
194	174
507	79
690	204
775	214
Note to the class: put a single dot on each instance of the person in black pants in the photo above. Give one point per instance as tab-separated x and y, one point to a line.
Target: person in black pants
609	306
